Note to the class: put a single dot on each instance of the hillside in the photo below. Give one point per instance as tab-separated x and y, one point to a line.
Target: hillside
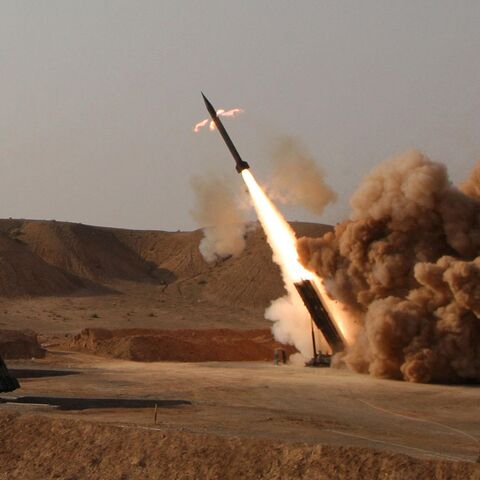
22	272
58	276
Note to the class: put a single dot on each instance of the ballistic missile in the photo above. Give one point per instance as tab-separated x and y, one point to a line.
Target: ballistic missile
240	164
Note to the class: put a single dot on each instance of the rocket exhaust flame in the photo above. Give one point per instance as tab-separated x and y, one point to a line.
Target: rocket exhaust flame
279	233
283	242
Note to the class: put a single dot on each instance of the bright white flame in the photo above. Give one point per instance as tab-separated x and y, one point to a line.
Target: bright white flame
233	112
283	242
280	235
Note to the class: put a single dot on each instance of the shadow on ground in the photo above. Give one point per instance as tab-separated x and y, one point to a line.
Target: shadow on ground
75	403
40	373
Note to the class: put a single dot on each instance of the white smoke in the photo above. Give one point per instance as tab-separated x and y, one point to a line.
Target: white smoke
292	323
219	207
222	241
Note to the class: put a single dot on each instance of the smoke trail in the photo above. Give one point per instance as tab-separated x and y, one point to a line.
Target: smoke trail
407	261
297	179
218	207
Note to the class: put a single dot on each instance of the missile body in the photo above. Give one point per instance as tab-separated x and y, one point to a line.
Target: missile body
240	164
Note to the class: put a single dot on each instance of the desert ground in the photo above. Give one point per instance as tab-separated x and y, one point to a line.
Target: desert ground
203	398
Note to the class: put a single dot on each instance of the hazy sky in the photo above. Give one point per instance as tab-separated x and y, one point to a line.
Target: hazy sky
98	98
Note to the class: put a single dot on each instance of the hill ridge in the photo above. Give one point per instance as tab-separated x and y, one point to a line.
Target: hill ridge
51	258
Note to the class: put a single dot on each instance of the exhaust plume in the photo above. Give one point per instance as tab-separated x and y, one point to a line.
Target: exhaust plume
218	207
291	319
297	179
407	262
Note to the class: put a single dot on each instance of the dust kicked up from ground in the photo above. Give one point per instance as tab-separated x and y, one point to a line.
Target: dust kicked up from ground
407	262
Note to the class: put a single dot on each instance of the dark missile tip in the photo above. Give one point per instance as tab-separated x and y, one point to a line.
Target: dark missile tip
211	110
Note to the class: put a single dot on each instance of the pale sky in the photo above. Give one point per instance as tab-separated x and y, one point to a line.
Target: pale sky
98	98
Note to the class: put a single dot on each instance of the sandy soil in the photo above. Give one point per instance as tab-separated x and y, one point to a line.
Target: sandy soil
243	404
59	278
92	451
146	306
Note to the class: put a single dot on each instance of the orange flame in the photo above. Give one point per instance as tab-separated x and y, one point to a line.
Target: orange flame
199	125
283	241
233	112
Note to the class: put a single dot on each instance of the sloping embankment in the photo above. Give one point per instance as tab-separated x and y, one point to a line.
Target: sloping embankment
20	344
36	447
185	345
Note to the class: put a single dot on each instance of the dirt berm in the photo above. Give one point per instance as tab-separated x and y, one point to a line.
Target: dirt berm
184	345
38	447
20	344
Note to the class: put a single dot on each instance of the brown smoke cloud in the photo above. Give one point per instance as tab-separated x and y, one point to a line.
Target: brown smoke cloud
471	186
218	209
407	261
297	179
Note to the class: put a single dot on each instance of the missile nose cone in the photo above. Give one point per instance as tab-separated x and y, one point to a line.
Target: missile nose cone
211	110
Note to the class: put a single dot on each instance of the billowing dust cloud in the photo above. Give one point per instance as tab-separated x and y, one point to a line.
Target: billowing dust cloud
219	207
297	179
471	186
407	262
